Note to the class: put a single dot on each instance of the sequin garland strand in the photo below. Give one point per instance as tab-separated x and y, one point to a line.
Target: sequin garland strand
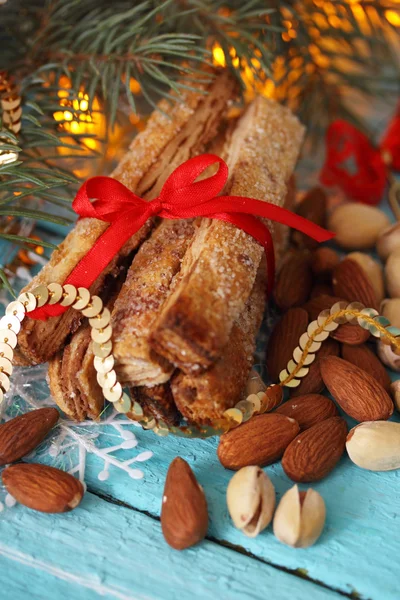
101	332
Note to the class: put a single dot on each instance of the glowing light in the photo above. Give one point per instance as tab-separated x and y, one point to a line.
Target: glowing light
219	56
393	17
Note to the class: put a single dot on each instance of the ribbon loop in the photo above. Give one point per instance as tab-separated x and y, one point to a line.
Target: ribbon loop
181	197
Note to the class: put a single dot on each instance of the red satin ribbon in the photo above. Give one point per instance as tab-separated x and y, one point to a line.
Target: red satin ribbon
365	180
182	197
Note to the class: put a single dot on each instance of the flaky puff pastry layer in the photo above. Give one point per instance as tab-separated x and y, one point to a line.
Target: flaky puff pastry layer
220	266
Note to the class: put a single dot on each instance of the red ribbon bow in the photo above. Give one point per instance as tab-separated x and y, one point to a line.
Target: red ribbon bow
182	197
364	180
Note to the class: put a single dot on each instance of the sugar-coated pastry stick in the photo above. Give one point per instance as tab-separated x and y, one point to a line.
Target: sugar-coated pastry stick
220	266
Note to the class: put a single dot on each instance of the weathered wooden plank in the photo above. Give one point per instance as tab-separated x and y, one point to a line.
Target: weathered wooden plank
355	553
106	550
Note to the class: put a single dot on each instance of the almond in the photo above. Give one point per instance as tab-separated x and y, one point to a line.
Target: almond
284	339
294	281
323	261
184	516
43	488
312	383
317	304
19	436
312	207
352	335
365	359
347	333
308	410
315	452
351	283
356	391
260	441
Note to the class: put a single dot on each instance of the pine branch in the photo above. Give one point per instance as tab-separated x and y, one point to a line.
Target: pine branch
310	52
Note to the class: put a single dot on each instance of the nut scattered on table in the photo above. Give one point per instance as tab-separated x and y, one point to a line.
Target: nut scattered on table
357	226
251	500
43	488
21	435
388	241
299	518
375	445
184	515
372	270
392	274
390	308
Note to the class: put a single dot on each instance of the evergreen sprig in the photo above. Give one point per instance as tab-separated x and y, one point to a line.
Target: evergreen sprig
313	51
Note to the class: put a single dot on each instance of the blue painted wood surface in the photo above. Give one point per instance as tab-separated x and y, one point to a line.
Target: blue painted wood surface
116	551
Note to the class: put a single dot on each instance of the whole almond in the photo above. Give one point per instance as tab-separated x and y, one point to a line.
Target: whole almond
19	436
356	391
184	516
351	283
365	359
43	488
323	261
284	339
352	335
347	333
375	445
294	281
260	441
308	410
312	207
357	226
372	270
312	383
315	452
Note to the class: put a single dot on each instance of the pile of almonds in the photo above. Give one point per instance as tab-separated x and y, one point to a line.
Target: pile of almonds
306	432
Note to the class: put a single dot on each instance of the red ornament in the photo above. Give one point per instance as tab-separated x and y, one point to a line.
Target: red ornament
355	165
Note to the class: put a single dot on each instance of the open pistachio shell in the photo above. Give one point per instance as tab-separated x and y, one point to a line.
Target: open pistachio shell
251	500
299	518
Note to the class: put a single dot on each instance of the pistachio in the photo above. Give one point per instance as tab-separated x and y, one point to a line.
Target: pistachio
372	270
388	241
388	357
370	223
299	518
390	308
395	391
251	500
375	445
392	273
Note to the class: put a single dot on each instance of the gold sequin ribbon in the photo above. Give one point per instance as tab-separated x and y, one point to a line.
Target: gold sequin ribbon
257	402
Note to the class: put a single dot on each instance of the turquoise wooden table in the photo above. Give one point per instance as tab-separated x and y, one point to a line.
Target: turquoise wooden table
112	546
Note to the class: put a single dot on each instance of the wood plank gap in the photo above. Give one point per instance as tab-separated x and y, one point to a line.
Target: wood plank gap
299	573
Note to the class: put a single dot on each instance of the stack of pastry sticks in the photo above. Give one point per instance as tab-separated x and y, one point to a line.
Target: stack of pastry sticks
187	297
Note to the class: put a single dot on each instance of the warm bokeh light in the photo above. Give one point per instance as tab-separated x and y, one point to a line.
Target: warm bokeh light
327	17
